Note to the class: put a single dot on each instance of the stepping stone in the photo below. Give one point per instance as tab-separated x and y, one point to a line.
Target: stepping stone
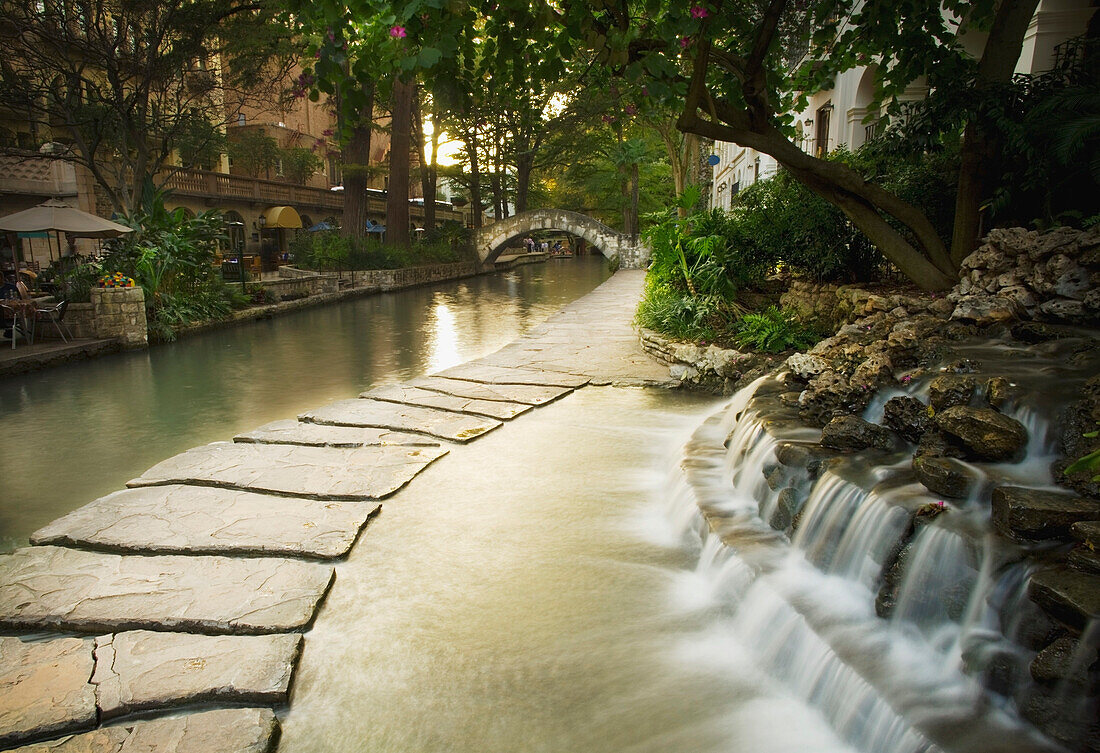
396	393
55	588
44	688
141	670
477	372
290	431
1020	512
326	473
531	394
456	427
220	731
210	520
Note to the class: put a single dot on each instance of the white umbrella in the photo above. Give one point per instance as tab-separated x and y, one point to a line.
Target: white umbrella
58	217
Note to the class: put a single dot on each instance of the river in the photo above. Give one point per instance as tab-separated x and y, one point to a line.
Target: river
73	433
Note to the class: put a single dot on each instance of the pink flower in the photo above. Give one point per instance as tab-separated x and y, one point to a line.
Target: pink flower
698	11
398	32
631	109
331	36
317	54
684	42
645	91
326	132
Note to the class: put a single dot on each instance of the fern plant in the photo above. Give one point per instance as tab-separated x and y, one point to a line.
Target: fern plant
773	330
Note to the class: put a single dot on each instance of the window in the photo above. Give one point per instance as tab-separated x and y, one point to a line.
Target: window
241	120
822	140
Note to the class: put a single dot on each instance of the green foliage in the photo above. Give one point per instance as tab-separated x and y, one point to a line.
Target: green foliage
330	251
253	152
170	255
74	277
682	316
1090	462
299	164
774	330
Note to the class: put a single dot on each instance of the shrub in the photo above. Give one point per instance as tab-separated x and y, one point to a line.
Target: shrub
330	251
774	330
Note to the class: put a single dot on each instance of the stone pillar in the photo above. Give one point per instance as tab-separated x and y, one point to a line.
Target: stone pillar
120	315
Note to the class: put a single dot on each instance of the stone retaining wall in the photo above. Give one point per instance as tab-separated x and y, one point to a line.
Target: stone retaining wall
120	315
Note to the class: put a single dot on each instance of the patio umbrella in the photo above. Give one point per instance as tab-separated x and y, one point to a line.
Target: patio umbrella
58	217
319	227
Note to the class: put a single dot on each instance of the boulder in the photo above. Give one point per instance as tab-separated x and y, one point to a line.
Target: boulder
951	389
875	371
944	476
830	394
1022	513
1071	596
983	431
1063	309
853	433
908	416
984	310
806	366
997	391
1063	660
1084	559
1088	533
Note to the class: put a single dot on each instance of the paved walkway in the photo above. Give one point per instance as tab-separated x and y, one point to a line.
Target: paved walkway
194	586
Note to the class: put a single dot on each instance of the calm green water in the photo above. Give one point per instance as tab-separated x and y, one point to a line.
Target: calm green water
77	432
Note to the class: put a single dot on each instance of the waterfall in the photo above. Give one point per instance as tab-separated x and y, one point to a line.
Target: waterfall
803	600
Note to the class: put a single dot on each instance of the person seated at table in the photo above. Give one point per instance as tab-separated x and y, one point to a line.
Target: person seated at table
8	290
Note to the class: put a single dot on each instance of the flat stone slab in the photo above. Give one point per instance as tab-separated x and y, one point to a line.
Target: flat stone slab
531	394
397	393
290	431
210	520
56	588
221	731
487	374
313	472
44	688
1071	596
140	670
456	427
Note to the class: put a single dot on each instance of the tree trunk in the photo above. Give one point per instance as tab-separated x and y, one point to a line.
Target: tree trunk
496	182
433	174
397	196
634	201
978	163
523	181
427	190
475	175
356	172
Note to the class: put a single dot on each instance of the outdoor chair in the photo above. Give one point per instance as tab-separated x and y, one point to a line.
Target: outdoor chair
10	316
55	314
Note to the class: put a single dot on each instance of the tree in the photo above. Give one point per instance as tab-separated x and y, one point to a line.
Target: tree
125	83
727	74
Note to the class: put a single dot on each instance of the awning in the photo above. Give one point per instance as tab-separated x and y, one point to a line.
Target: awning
281	217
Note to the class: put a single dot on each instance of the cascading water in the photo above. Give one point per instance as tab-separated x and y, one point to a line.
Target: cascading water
883	606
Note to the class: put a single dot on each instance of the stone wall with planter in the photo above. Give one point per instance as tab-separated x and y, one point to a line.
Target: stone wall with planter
707	367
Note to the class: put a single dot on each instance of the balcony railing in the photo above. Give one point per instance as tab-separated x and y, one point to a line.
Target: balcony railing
217	187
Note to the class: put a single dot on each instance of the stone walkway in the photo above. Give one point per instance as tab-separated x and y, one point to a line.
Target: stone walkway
193	588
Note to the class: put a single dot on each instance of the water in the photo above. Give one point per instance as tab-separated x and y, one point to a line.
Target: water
73	433
529	593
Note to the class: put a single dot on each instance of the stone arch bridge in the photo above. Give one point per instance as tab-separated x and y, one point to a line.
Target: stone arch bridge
489	241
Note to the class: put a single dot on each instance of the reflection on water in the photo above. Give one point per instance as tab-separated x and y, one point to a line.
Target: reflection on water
73	433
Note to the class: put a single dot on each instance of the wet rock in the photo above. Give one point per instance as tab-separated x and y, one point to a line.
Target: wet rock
949	390
997	392
787	505
1064	309
830	394
1088	533
1064	660
1084	559
44	688
1074	725
1036	332
1027	624
790	399
983	431
1071	596
956	598
1023	513
139	670
853	433
908	416
874	372
984	310
961	366
806	366
934	443
247	730
944	476
812	457
47	587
